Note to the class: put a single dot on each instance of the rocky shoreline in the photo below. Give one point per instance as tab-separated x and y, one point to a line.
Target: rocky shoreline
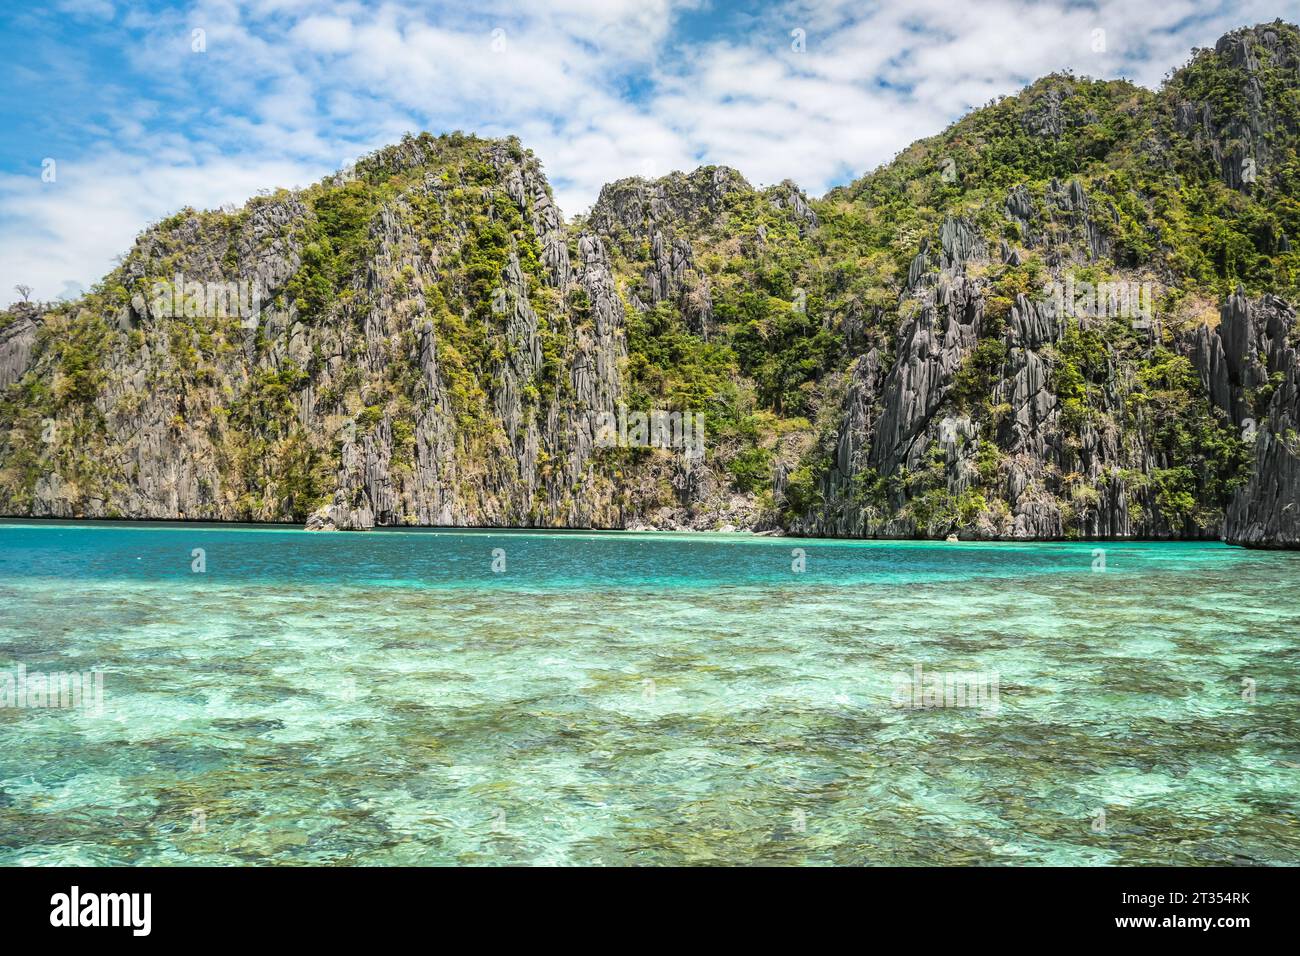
638	529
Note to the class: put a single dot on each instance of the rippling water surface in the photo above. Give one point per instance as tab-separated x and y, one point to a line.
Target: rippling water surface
387	698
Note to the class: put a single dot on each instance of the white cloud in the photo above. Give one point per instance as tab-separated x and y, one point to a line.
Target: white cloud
324	34
61	235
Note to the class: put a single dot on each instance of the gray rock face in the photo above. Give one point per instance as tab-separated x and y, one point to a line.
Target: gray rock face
17	340
959	241
342	515
1068	205
1259	350
1045	117
932	349
1266	513
789	196
639	216
178	440
1020	208
681	199
527	474
1240	143
901	421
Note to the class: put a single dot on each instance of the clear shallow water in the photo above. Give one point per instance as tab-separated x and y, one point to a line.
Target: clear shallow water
385	698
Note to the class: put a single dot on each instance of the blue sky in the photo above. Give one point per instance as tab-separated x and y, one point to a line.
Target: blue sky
142	115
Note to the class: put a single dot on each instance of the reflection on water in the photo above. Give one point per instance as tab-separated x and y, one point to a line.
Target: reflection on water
610	699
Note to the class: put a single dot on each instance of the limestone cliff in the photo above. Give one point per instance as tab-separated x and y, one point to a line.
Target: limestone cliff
1069	315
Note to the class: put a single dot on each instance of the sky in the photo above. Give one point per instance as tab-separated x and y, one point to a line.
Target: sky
115	114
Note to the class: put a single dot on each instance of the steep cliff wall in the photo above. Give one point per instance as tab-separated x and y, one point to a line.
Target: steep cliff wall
430	347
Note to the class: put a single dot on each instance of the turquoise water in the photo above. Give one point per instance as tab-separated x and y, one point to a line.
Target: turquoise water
387	698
